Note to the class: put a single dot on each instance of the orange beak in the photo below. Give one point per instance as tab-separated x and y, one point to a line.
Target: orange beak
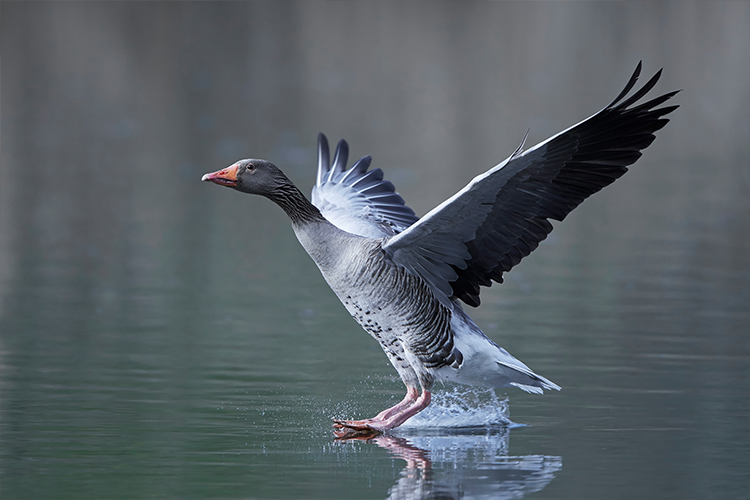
224	177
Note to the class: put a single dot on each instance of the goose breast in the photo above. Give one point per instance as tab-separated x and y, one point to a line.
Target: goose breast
395	307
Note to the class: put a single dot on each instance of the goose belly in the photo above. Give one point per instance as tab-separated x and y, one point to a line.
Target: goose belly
398	310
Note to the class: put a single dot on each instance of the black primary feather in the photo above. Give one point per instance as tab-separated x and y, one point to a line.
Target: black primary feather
560	175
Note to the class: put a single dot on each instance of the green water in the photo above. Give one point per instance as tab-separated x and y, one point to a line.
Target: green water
152	374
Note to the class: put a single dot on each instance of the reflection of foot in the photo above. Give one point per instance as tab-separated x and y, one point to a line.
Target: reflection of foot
416	458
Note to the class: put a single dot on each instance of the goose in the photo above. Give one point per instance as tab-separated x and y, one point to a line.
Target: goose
403	278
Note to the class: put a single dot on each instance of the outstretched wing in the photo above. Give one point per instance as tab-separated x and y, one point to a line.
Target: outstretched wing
486	228
357	200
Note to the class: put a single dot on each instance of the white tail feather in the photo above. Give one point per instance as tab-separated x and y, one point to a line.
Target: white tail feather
486	363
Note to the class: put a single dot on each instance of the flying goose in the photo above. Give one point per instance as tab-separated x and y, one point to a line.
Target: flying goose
402	278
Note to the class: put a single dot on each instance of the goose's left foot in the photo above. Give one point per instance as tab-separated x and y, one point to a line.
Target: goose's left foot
350	434
390	418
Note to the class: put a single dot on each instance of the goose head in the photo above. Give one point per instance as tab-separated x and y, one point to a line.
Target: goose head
266	179
250	176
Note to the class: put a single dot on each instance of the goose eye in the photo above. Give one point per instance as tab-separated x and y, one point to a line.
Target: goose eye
249	167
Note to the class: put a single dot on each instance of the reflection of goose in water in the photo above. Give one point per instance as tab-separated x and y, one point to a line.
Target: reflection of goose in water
458	448
470	465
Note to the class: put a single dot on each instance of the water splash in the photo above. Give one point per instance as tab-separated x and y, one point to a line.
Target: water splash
461	407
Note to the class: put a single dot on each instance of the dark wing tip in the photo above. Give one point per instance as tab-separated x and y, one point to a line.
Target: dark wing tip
629	85
616	104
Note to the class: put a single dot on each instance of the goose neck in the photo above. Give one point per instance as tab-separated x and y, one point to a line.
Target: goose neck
296	205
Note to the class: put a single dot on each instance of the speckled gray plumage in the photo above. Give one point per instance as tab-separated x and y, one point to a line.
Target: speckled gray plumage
395	307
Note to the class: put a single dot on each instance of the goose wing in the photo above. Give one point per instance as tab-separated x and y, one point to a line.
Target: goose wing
500	217
357	200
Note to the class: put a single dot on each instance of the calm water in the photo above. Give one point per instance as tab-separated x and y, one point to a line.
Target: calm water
180	382
165	338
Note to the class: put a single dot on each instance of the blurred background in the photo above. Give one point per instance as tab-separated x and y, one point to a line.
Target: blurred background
153	326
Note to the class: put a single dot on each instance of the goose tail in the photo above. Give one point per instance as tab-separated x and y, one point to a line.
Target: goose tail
487	364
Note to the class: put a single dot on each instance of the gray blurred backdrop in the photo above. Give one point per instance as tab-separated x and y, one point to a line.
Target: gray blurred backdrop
110	107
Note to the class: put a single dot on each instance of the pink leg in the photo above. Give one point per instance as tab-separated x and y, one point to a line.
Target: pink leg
392	417
411	395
